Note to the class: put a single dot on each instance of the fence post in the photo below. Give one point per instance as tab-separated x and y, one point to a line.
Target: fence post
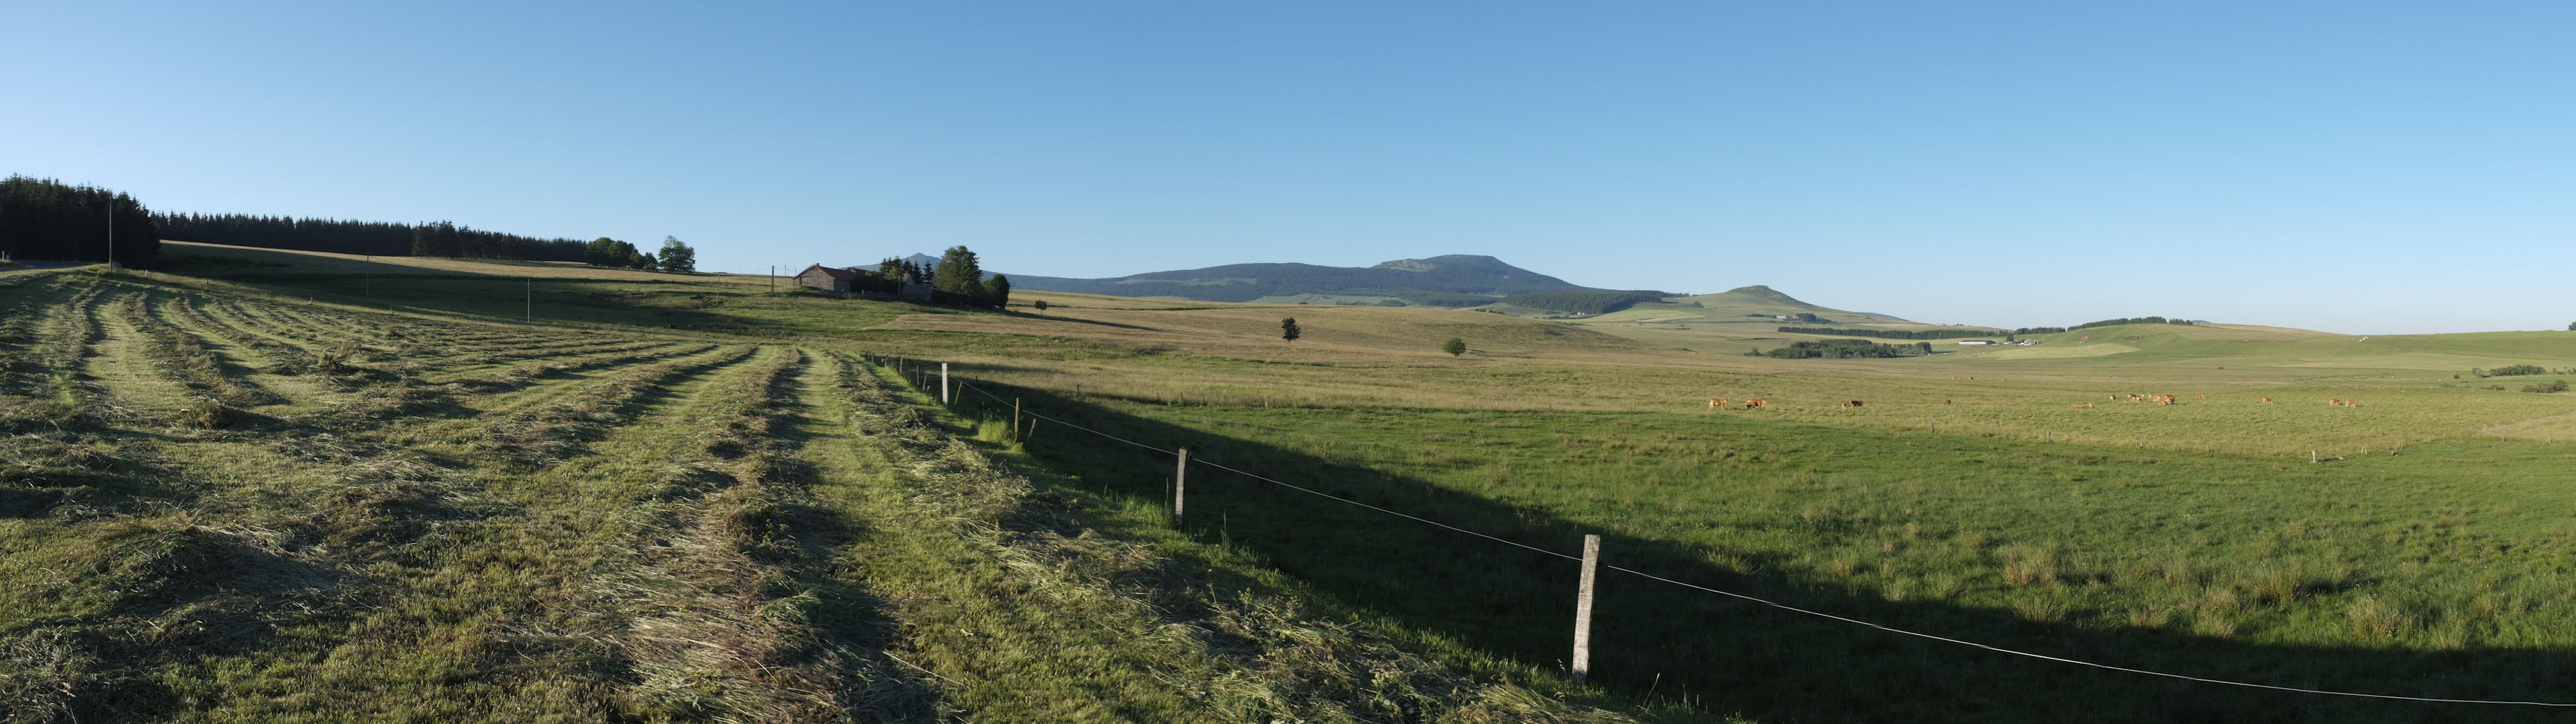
1180	486
943	383
1583	611
1015	418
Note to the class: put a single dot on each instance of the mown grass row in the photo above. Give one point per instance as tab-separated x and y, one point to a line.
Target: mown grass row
718	618
552	431
60	400
181	356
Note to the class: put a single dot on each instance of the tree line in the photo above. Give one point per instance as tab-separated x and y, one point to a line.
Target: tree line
1896	333
2517	370
435	238
2130	320
674	257
45	219
1602	302
1844	349
376	238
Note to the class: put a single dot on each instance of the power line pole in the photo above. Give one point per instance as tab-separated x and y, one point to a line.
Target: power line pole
111	232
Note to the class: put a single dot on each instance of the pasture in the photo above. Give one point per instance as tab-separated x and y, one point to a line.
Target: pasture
2013	496
221	507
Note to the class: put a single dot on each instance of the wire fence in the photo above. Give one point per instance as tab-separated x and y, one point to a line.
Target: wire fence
965	387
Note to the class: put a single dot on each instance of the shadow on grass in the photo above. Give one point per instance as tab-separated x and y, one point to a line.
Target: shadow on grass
1663	645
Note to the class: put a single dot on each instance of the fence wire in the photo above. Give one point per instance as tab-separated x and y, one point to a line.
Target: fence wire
1783	606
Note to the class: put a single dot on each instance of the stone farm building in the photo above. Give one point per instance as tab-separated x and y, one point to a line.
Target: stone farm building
845	280
827	278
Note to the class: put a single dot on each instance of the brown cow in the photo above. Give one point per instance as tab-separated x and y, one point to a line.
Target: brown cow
2352	403
1717	403
1755	404
2338	402
1945	402
2267	400
1852	404
2203	396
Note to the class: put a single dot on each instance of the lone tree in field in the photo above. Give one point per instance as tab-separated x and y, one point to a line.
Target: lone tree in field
677	257
1454	346
2571	326
1288	329
1040	304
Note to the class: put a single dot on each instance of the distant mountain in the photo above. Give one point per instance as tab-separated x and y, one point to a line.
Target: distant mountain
1455	280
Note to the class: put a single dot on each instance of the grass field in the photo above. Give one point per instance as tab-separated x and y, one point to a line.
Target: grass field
233	508
511	515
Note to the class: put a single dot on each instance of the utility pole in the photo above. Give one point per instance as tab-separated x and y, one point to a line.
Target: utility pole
529	312
773	279
111	231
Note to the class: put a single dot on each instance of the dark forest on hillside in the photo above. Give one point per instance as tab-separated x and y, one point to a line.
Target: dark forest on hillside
44	219
378	238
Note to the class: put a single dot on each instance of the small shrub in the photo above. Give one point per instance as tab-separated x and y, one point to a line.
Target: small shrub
2550	386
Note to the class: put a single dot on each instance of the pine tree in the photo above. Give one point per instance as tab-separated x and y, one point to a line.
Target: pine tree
1288	329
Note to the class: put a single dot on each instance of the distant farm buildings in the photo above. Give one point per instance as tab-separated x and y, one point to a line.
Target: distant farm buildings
844	280
824	278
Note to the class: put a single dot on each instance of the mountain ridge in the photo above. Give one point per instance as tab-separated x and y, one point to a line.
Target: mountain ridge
1449	280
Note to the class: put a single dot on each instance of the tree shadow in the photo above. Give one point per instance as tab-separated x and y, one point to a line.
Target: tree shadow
1658	646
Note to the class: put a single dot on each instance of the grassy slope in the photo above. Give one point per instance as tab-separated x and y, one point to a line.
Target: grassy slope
426	519
1992	409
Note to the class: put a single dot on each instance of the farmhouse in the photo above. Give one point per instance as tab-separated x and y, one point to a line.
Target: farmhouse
827	278
1976	341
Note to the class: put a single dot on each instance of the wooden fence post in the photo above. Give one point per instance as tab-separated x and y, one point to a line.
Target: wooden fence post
1583	611
1015	418
943	383
1180	486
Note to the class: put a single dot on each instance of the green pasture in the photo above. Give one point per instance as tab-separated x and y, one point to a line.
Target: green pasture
2013	496
2443	571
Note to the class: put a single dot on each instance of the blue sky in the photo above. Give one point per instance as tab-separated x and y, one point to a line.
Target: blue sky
2352	166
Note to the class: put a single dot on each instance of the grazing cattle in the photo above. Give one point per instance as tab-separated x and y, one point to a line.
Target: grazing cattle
2267	400
2168	400
1717	403
1755	404
1854	403
2352	403
1945	402
2203	396
2334	401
